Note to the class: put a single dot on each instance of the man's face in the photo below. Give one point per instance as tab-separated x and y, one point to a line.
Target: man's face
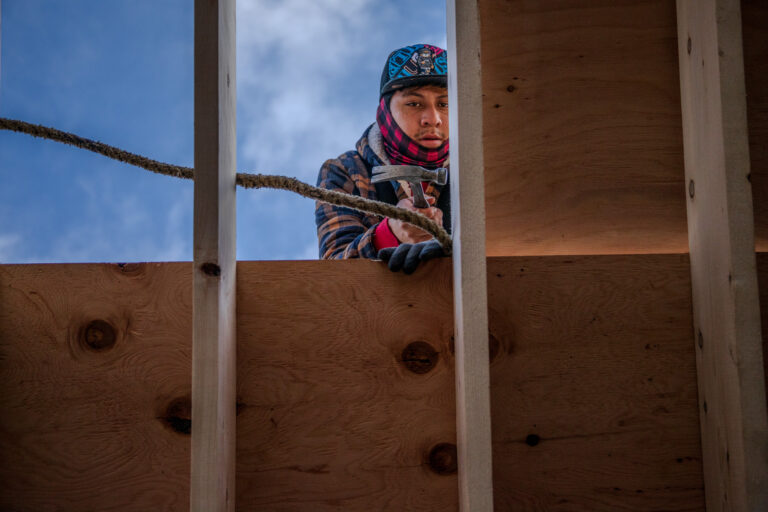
422	113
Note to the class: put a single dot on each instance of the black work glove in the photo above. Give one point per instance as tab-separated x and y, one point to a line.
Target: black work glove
406	257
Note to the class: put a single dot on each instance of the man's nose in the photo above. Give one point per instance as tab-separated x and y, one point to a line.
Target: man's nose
431	117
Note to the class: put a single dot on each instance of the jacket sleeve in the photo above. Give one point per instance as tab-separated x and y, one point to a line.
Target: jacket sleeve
343	232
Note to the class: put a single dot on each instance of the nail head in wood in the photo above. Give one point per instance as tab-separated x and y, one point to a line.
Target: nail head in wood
532	440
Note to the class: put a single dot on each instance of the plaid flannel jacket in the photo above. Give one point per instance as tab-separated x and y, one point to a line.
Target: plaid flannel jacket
342	232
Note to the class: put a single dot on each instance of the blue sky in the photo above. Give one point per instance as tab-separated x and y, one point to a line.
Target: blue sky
120	71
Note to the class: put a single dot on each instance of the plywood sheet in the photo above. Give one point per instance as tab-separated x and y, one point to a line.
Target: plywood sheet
82	428
592	365
594	398
762	286
330	417
582	127
754	27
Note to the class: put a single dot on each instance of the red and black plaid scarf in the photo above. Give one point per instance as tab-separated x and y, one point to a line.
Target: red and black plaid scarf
400	148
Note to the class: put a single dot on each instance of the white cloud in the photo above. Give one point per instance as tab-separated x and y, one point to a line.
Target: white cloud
176	244
118	223
293	57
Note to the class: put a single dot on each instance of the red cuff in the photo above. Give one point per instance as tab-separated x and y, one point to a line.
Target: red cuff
383	236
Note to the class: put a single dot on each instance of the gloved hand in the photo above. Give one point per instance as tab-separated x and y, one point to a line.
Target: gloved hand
406	257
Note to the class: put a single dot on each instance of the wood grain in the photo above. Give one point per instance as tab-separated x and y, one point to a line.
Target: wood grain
582	130
734	422
214	328
754	26
330	417
470	292
82	429
591	354
594	388
762	281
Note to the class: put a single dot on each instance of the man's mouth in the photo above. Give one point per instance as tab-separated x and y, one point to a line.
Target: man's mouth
431	136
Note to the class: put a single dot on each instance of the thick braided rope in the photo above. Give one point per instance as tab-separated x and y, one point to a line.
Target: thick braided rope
245	180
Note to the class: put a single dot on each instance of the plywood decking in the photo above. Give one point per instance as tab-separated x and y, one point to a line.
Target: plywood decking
593	386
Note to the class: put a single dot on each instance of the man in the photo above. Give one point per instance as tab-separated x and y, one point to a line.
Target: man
411	128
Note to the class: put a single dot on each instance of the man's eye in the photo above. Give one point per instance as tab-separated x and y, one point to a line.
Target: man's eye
443	105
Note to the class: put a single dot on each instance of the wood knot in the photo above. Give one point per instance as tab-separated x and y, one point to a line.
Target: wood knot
99	335
419	357
443	459
178	415
211	269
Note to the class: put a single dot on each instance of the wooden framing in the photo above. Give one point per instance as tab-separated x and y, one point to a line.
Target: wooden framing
213	358
591	372
593	386
473	415
732	399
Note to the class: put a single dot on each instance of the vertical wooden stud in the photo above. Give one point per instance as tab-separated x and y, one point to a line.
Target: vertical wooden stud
473	416
734	427
213	353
